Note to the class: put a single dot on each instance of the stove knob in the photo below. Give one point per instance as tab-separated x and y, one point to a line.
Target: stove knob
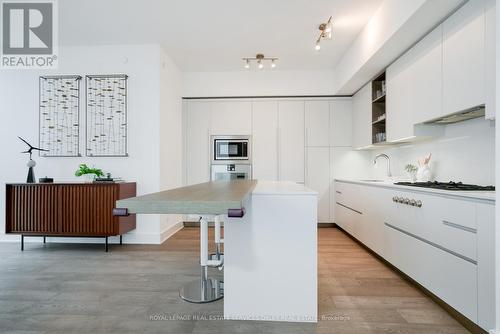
406	201
419	204
394	199
413	202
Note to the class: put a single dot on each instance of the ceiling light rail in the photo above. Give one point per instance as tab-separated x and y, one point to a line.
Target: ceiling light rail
325	33
259	59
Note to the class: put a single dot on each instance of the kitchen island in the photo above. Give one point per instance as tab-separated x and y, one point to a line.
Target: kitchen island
270	243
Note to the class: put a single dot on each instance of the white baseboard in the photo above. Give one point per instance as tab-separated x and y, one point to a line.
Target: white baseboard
170	231
129	238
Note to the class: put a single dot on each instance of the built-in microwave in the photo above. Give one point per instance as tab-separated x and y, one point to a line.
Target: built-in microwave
227	149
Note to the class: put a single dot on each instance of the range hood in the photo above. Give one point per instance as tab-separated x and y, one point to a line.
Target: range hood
460	116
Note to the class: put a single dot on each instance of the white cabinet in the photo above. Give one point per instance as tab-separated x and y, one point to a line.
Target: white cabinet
455	233
490	57
464	58
399	122
485	216
341	123
265	140
291	141
362	117
447	276
317	120
198	142
318	178
231	118
414	87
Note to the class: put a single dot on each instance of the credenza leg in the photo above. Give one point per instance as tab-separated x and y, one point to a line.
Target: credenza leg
22	242
121	243
106	244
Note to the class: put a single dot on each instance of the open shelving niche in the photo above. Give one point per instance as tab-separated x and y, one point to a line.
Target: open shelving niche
378	110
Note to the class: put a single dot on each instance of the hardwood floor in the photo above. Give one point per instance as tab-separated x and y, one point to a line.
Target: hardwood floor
75	288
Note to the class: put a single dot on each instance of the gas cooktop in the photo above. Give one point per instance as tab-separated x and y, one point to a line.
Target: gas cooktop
459	186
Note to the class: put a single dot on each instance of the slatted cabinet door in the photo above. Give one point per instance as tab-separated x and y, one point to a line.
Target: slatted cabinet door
67	209
32	209
87	209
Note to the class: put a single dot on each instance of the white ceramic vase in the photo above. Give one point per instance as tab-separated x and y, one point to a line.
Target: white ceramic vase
89	178
424	174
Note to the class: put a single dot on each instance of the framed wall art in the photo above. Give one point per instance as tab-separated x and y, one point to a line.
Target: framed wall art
106	115
59	119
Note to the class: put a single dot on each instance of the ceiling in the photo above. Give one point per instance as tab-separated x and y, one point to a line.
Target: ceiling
203	35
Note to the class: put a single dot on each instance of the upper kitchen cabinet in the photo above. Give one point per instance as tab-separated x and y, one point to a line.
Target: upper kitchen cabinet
291	141
265	140
362	117
414	87
198	142
341	123
317	117
490	57
231	118
464	58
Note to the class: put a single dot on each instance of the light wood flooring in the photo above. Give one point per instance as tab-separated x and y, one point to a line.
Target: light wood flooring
77	288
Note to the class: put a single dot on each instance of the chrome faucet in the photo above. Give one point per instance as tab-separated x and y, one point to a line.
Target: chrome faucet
382	155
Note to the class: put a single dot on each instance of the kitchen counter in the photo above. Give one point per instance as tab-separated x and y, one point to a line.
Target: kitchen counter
261	257
204	198
476	195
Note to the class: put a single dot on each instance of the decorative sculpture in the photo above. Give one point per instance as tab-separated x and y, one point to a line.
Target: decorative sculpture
31	163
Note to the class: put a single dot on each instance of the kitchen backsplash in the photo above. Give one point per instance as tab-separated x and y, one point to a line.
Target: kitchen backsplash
465	152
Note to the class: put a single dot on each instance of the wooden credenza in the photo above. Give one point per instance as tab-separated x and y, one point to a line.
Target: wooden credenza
67	209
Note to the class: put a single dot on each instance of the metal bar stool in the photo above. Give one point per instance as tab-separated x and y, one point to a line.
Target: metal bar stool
206	289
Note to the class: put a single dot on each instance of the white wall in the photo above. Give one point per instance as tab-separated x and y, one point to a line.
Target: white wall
497	225
19	108
257	83
171	137
465	152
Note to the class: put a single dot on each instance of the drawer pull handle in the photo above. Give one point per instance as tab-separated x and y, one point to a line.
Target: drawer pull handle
460	227
345	206
338	192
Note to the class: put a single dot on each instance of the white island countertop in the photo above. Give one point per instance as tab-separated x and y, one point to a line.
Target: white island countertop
281	188
477	195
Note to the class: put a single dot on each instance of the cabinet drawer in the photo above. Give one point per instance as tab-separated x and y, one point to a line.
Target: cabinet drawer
347	219
449	223
451	278
347	194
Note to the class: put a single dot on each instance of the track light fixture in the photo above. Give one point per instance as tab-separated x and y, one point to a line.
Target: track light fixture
260	59
325	33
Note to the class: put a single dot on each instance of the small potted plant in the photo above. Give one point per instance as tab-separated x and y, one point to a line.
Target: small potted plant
412	172
89	173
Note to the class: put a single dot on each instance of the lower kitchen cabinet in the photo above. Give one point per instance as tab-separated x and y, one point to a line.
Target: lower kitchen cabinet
449	277
318	179
444	243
